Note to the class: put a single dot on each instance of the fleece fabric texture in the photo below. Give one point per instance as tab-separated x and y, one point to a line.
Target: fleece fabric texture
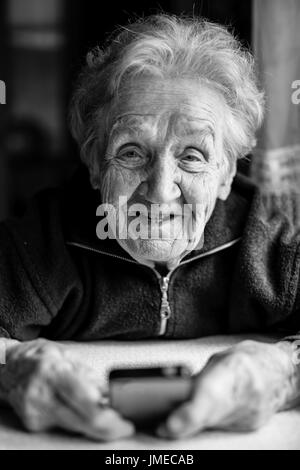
59	281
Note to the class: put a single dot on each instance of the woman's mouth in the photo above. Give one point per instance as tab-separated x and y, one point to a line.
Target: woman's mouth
155	217
160	218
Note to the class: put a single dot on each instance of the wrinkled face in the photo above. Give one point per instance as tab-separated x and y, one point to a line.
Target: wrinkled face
165	158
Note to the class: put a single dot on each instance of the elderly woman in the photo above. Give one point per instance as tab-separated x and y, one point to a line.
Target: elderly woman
158	239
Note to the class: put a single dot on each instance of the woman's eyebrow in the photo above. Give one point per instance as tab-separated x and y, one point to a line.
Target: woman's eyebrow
202	130
135	125
128	131
130	125
132	119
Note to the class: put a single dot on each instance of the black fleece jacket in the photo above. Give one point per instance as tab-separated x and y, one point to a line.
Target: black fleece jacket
57	280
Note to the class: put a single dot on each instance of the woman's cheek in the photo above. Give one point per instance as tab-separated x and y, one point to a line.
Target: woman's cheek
195	187
201	191
119	181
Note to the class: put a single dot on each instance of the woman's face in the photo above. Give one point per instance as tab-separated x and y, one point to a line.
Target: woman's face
165	153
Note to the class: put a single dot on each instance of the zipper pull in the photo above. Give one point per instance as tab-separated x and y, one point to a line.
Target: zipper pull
165	310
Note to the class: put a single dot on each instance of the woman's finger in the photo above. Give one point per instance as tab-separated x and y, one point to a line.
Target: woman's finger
189	418
82	405
80	395
211	404
106	424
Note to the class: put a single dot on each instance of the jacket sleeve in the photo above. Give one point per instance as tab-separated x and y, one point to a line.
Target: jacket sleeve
266	295
294	337
37	275
292	210
283	211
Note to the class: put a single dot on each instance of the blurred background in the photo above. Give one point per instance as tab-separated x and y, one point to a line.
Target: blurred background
42	48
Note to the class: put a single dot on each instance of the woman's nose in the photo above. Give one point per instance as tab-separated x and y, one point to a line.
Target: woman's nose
161	185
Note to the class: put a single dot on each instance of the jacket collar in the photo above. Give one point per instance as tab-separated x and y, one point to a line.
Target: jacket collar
225	226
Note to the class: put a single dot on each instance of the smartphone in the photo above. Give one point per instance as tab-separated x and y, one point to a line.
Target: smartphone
147	396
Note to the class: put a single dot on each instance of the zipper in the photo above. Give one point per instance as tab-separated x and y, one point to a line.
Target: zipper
165	309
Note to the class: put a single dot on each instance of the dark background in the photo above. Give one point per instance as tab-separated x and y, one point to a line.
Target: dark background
42	48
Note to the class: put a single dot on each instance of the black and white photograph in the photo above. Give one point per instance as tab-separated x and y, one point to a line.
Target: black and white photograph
150	228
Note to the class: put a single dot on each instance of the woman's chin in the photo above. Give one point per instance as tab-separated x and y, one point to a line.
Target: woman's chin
156	250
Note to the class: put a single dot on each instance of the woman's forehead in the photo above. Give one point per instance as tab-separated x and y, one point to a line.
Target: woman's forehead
178	123
154	96
182	103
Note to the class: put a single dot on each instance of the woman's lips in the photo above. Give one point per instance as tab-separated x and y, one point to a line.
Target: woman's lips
153	215
157	218
161	217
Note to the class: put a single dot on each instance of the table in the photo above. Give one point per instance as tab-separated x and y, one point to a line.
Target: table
282	432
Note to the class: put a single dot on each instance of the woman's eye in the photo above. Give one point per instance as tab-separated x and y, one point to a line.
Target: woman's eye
131	154
192	158
193	155
131	157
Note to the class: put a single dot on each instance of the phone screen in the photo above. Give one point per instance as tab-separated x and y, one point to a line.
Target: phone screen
147	396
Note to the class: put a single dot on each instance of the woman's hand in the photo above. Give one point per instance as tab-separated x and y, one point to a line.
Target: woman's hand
238	389
47	388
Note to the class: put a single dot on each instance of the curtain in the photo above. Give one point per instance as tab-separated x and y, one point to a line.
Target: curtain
276	44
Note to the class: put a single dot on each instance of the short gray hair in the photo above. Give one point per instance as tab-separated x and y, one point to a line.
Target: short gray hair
168	47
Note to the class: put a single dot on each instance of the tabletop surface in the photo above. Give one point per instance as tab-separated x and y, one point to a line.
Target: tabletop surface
281	432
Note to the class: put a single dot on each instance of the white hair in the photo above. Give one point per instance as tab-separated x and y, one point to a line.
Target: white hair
168	47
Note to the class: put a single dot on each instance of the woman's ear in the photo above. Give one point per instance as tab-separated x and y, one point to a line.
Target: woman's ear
93	165
94	174
94	179
225	186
